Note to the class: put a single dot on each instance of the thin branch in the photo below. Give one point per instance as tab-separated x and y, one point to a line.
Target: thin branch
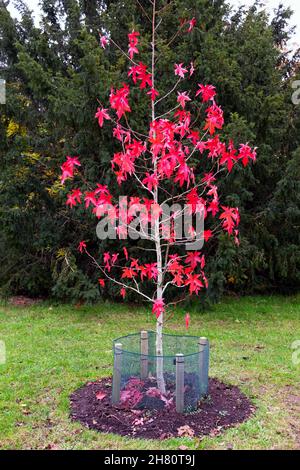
158	24
124	53
162	10
168	112
126	286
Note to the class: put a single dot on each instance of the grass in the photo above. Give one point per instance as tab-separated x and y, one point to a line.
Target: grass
53	349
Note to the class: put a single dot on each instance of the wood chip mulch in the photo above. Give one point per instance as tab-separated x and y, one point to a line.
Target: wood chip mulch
226	406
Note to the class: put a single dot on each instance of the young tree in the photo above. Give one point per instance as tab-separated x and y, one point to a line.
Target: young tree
162	165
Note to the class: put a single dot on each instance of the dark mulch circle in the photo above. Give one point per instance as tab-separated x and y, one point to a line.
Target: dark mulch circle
226	406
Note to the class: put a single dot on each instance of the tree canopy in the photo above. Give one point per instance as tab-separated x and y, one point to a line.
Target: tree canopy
55	74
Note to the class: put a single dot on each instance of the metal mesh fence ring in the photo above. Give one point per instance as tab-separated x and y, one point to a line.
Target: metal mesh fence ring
135	370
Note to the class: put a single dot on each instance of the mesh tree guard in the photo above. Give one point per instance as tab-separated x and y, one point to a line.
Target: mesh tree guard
185	364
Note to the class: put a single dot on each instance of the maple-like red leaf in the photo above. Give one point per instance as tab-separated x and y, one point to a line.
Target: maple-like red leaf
82	246
194	282
230	218
208	92
158	307
187	320
180	70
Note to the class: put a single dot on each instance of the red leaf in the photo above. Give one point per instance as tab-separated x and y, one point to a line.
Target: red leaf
100	395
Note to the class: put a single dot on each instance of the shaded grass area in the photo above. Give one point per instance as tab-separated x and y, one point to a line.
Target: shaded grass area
54	349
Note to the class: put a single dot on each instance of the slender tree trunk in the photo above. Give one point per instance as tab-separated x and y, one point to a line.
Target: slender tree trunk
159	334
159	324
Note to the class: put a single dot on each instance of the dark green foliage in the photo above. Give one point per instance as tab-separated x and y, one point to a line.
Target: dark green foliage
56	72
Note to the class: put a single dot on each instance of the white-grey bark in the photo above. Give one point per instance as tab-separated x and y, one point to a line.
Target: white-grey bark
159	324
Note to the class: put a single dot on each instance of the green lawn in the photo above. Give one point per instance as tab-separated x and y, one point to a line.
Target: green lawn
52	350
